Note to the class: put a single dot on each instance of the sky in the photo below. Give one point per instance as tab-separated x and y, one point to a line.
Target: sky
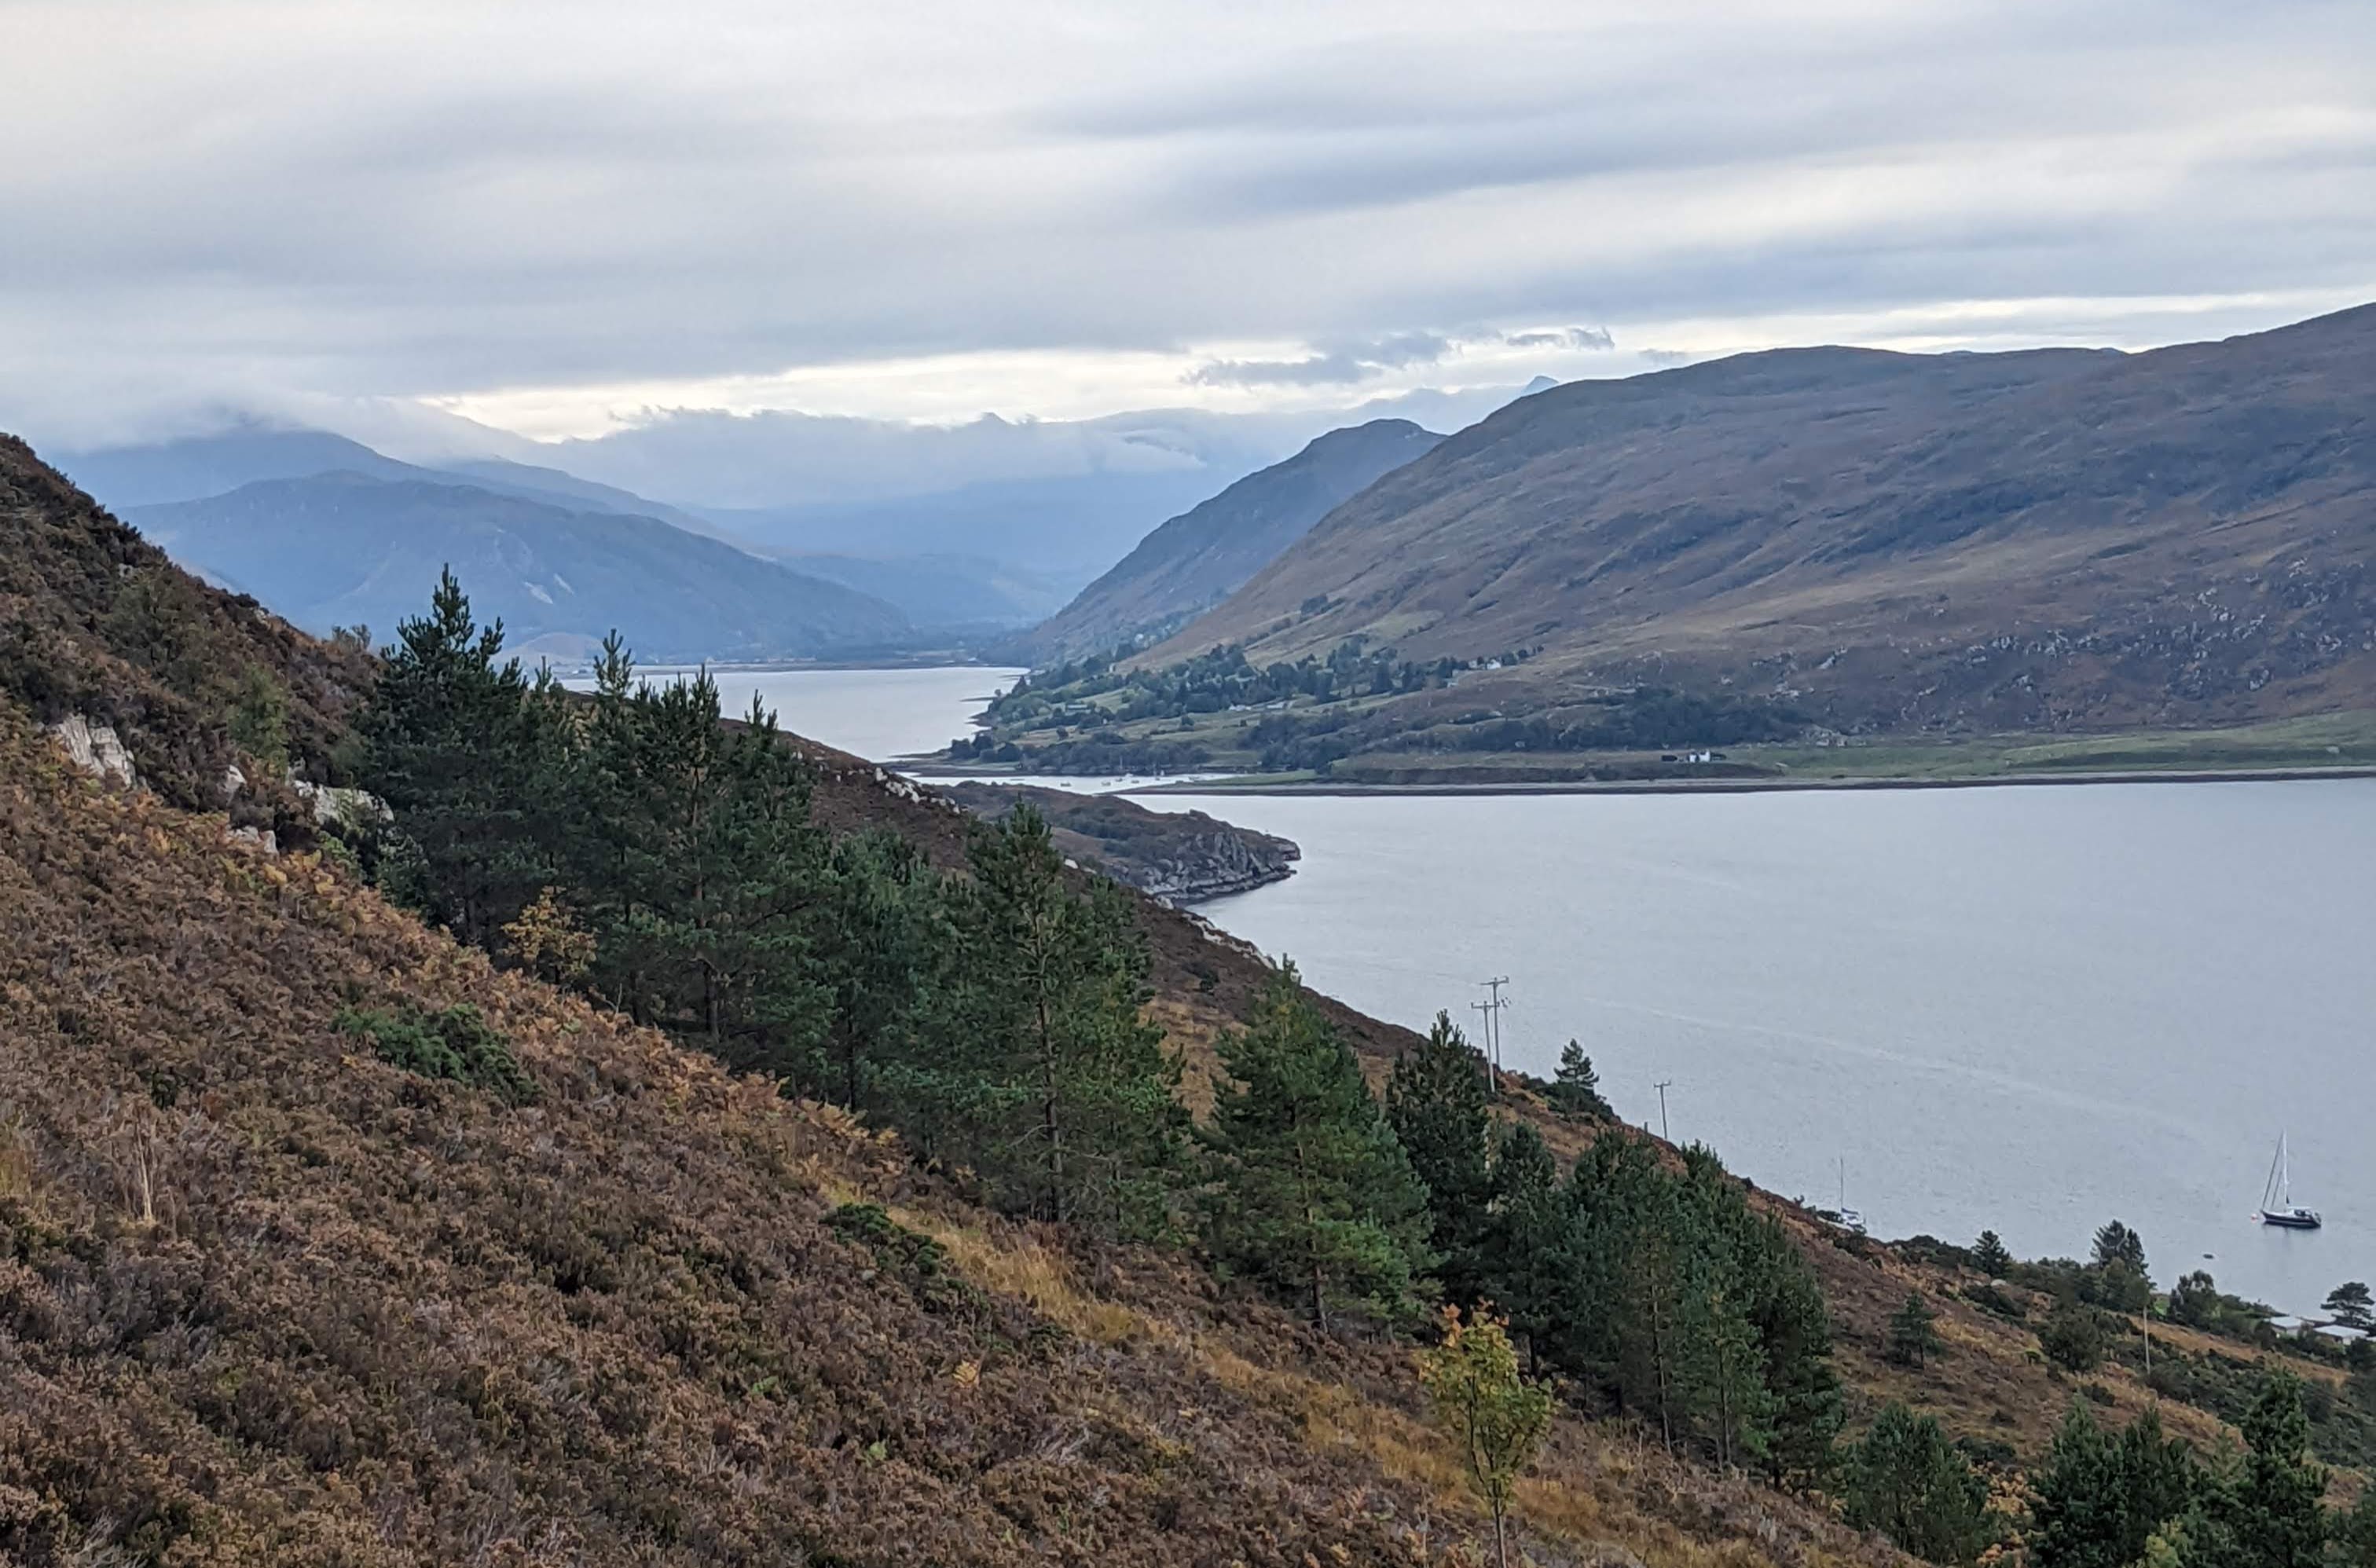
562	221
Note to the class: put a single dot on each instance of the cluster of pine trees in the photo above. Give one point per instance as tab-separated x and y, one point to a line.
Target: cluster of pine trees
1652	1287
634	847
630	845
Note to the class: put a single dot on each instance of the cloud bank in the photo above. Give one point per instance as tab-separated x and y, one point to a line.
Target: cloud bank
564	219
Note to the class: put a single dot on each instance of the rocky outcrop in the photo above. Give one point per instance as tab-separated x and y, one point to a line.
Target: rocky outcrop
96	749
1210	858
1179	857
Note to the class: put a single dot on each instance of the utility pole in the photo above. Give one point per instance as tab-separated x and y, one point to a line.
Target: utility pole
1664	1084
1492	1010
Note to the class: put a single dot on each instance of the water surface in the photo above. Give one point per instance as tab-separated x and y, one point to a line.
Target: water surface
2030	1009
877	714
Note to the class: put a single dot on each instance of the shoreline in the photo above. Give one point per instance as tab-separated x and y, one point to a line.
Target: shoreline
1757	786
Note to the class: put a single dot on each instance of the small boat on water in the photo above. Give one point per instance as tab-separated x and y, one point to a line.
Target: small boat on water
2277	1206
1844	1217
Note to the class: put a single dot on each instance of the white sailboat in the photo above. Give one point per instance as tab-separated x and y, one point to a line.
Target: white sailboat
2277	1206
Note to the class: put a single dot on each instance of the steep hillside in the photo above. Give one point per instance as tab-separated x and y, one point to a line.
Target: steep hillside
1206	553
324	1241
276	1287
2054	541
98	626
342	549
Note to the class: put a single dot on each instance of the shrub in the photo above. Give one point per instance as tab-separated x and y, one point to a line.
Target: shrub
455	1044
2071	1338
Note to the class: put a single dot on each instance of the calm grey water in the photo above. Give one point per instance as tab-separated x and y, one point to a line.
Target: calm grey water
2029	1009
876	714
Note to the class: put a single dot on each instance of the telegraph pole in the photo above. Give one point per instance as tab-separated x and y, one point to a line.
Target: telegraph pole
1664	1084
1491	1011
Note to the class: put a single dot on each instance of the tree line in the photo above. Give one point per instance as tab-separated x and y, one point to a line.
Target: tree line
630	845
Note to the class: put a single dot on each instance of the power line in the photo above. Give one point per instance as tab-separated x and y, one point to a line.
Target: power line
1493	1014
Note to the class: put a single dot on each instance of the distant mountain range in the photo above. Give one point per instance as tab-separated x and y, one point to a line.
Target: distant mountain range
343	548
2052	539
1199	557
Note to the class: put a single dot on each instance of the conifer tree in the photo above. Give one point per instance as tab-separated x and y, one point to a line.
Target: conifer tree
2277	1514
1913	1332
1906	1480
1313	1196
468	752
1437	1104
1989	1255
2097	1500
884	919
1063	1089
1575	1091
1525	1224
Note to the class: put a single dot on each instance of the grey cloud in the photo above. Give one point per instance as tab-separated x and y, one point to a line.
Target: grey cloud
255	214
1567	337
1341	366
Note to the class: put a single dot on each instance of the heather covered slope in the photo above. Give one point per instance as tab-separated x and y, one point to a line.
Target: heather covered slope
96	621
269	1298
1205	552
2059	540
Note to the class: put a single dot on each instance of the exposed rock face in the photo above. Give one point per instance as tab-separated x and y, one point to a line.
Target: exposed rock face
1180	857
1209	860
96	749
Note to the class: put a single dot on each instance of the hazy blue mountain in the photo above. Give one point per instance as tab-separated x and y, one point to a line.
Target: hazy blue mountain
1207	553
957	598
341	548
123	477
1066	527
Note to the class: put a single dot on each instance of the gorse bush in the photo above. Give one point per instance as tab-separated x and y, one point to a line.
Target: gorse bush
455	1044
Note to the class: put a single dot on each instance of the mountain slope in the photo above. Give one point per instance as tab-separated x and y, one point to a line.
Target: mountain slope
341	548
1209	551
269	1296
2057	540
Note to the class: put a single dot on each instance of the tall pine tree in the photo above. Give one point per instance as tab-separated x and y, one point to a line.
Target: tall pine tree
1041	1057
1313	1196
1437	1104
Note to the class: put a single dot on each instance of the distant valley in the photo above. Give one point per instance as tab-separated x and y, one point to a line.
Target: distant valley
1205	554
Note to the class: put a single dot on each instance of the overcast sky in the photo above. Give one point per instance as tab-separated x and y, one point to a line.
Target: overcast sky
556	219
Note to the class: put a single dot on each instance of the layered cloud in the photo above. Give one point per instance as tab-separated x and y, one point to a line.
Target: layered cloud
566	219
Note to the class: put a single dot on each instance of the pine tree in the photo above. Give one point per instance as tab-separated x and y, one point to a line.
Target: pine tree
2097	1500
1794	1331
1989	1255
2117	1245
882	923
1313	1196
1906	1480
1526	1216
1064	1091
470	757
2276	1513
1494	1417
1914	1332
1437	1104
1576	1091
2352	1306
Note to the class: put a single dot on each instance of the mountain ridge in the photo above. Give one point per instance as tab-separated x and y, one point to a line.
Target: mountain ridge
2052	538
327	550
1201	555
